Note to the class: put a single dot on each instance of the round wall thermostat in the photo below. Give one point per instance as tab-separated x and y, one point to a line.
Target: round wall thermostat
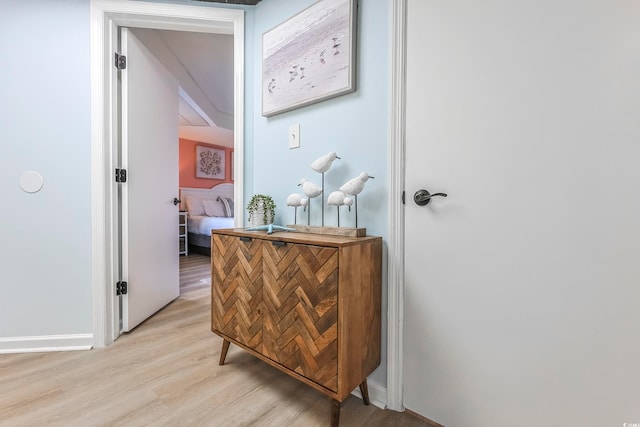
31	181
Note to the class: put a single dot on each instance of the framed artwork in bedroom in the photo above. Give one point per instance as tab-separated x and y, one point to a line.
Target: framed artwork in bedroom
210	162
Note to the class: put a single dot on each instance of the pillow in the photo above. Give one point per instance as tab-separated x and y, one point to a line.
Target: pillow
213	208
227	206
195	206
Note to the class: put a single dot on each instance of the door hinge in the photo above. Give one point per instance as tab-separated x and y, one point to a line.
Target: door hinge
121	288
120	61
403	202
121	175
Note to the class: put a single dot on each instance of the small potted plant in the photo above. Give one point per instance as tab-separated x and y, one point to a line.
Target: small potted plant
261	209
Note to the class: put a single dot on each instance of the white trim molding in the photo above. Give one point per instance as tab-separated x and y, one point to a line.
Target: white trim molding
46	343
395	278
377	394
106	17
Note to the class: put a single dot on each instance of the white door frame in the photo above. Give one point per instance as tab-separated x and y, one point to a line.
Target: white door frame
106	17
395	270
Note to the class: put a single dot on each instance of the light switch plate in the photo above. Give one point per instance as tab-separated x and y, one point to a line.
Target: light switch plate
294	136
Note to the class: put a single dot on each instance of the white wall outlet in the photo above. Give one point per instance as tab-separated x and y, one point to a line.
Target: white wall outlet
294	136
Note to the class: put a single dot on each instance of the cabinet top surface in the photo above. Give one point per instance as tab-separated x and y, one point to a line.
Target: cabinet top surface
296	237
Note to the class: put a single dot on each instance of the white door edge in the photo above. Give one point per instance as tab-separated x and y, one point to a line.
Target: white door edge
395	270
105	17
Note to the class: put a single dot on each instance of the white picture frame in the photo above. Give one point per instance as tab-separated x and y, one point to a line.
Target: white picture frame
210	162
310	57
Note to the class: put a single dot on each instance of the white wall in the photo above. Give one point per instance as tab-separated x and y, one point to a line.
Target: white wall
45	247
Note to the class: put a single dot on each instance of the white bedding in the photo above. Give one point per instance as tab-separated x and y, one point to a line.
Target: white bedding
204	224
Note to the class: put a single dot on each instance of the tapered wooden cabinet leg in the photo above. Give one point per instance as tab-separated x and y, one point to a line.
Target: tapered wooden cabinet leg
223	351
335	413
364	390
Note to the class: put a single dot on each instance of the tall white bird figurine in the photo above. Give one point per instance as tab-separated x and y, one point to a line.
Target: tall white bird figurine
338	198
323	164
310	190
354	187
295	200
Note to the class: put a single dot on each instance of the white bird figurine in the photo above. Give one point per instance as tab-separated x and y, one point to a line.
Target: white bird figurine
296	200
338	198
323	164
354	187
310	190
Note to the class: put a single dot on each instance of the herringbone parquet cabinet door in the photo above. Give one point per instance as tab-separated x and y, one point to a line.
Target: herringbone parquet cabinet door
301	310
307	304
236	289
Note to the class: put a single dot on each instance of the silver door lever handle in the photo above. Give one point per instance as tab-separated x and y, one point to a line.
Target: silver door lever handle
423	197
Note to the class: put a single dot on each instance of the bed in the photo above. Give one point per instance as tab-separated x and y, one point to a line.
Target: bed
207	209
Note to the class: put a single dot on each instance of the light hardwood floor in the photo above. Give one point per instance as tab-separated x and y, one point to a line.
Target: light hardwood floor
166	373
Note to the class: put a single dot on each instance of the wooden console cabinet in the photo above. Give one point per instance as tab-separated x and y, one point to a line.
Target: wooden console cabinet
308	304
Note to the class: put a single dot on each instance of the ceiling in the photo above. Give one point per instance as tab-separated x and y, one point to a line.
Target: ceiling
203	65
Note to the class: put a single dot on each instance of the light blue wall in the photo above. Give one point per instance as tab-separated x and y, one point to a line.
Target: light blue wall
354	125
45	237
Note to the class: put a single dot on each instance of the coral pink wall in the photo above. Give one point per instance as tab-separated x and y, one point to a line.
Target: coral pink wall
188	165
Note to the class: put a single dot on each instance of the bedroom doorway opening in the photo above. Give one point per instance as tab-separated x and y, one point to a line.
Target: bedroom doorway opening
202	66
107	17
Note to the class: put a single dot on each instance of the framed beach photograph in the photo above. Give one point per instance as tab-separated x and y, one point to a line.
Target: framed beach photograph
209	162
310	57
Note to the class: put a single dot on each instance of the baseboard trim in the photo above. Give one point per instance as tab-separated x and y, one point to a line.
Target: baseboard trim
45	343
377	394
378	397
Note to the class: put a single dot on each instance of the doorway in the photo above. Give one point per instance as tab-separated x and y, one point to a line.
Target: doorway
106	17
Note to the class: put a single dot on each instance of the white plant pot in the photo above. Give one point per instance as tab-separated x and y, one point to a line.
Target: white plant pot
257	218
